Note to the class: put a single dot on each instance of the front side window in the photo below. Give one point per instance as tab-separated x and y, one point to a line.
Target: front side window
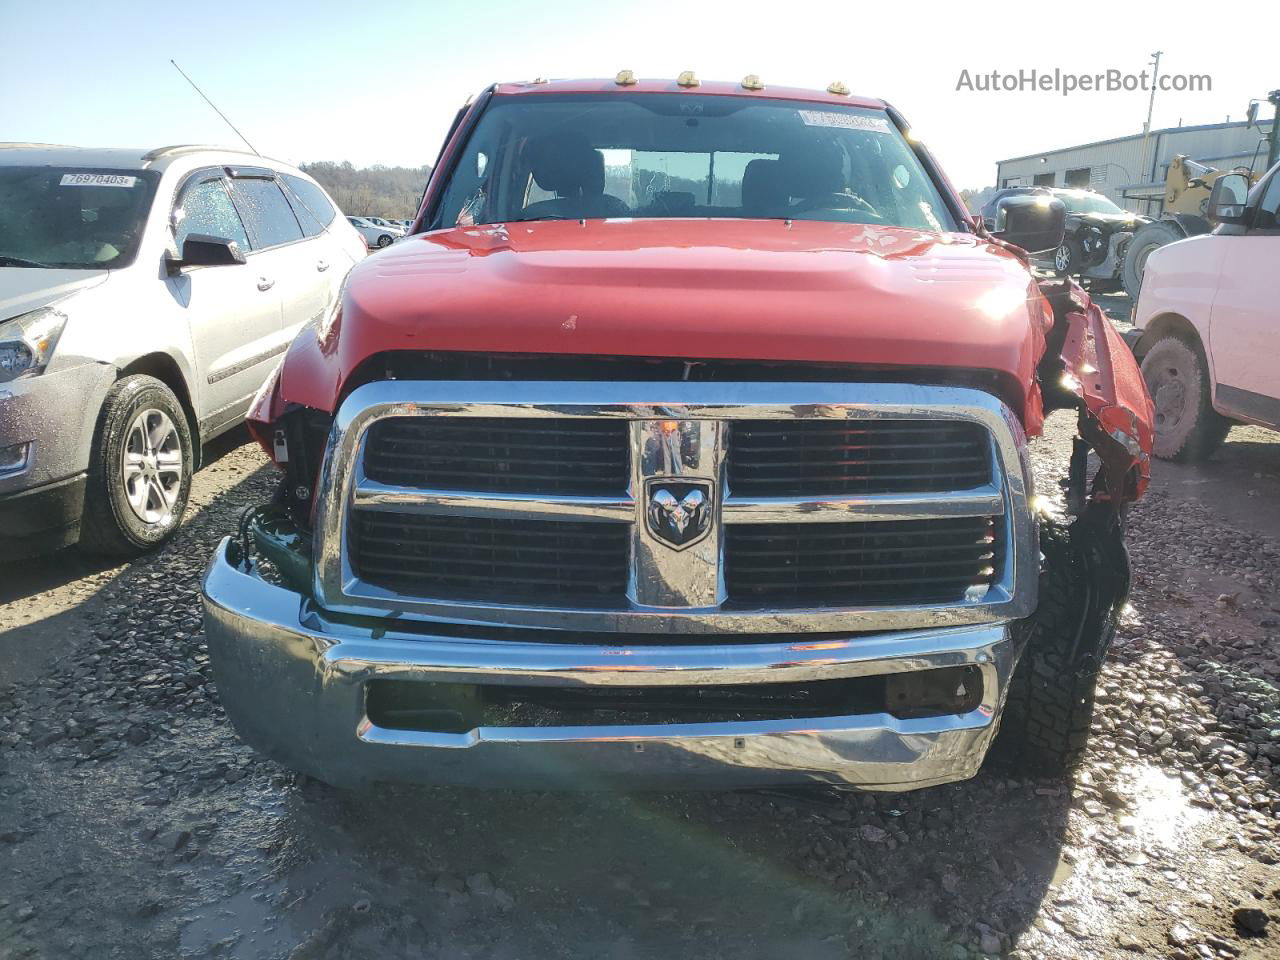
1268	215
312	207
73	217
660	155
206	208
266	213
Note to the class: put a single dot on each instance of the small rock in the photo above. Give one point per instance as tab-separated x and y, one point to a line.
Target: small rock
1180	935
873	834
1250	920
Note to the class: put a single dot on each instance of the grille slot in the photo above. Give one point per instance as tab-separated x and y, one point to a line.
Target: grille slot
500	455
540	562
872	564
823	458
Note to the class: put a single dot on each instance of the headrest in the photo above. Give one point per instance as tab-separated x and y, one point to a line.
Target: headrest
762	186
566	164
813	169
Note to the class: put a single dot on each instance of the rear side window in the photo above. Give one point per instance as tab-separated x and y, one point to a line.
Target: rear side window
313	208
207	209
266	212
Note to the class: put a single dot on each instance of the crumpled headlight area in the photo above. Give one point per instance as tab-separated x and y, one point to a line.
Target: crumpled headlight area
27	342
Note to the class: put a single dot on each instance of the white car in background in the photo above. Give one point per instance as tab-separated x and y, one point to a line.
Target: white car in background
376	234
145	297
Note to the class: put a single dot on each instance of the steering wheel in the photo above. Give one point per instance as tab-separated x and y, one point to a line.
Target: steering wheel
838	201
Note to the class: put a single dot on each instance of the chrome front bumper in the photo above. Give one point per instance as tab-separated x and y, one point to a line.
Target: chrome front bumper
293	682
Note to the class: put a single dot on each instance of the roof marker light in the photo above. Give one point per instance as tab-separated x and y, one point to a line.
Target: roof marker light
625	78
688	79
838	88
752	82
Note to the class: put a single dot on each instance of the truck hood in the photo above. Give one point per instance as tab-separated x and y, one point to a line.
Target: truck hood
803	291
23	289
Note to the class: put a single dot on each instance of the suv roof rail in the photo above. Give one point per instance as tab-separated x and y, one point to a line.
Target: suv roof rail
26	145
179	148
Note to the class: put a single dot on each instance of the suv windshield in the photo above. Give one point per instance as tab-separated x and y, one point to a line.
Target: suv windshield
642	155
1083	202
72	217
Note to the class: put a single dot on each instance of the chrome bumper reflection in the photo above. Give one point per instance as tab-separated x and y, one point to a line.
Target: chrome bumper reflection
293	683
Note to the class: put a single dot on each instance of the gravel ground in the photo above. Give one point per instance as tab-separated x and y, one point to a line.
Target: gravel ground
133	824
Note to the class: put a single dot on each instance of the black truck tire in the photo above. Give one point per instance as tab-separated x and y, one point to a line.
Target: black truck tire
1188	429
134	501
1048	711
1149	237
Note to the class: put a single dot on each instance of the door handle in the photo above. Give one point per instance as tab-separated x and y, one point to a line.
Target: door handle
322	265
265	284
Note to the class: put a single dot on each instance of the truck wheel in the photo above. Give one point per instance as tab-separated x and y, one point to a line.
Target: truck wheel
139	470
1188	429
1150	237
1049	708
1068	258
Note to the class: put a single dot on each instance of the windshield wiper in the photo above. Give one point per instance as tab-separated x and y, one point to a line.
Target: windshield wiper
545	216
8	261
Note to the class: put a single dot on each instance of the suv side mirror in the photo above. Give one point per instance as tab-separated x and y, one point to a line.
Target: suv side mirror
1034	222
1228	199
203	250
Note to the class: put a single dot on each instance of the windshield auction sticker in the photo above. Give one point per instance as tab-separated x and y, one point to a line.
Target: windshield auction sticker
850	121
96	180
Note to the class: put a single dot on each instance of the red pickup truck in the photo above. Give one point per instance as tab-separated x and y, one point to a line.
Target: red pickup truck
683	442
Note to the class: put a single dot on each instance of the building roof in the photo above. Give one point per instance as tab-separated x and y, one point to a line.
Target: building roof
707	87
1133	136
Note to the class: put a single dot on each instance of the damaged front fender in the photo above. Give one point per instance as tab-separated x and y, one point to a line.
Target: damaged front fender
1089	367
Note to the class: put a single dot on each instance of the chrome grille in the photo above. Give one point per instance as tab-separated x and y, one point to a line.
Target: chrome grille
780	458
909	510
478	558
488	454
872	564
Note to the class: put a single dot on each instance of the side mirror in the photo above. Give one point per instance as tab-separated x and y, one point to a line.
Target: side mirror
1228	199
1034	222
203	250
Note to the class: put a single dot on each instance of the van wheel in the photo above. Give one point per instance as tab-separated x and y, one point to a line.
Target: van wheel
1188	429
139	470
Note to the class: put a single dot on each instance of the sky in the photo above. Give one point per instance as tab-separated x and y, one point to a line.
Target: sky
380	82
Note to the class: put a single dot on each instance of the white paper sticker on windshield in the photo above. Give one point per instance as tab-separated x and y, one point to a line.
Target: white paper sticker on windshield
96	180
850	121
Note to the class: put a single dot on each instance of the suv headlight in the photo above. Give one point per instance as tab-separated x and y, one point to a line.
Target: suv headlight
27	342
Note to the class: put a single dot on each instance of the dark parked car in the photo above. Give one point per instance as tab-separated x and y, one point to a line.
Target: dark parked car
1097	234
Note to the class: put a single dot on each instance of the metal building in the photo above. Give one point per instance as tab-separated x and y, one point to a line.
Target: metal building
1117	168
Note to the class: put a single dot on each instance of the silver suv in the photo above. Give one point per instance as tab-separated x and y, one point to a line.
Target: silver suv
144	298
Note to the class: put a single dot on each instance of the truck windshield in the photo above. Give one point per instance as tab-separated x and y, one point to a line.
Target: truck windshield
72	217
1084	202
645	155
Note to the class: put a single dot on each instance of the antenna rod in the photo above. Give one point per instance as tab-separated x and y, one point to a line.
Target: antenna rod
215	108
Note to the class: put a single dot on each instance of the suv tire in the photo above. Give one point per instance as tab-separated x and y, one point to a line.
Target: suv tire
139	470
1049	709
1187	427
1068	258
